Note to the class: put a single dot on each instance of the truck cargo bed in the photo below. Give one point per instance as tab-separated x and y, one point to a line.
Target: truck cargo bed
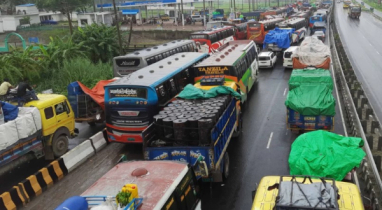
212	154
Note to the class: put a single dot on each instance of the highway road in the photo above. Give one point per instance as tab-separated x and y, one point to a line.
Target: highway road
33	166
362	42
262	150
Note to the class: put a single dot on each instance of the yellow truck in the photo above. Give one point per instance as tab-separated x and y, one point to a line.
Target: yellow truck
42	129
305	192
346	4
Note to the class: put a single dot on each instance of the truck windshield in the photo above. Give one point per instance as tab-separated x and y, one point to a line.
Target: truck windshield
356	9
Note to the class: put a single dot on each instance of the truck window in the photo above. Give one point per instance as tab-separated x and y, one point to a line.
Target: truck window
61	108
48	113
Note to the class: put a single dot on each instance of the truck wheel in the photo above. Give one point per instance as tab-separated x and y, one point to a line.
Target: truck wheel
60	145
226	166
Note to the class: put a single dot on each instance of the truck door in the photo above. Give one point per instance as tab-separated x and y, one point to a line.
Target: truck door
63	113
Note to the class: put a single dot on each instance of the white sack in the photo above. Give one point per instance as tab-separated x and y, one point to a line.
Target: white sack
8	134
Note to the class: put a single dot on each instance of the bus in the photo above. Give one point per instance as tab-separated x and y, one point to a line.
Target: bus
133	100
319	16
305	15
237	61
154	185
346	4
256	31
240	30
126	64
210	40
298	24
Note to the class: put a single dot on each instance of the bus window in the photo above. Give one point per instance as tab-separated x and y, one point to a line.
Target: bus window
150	60
173	88
160	56
164	55
163	97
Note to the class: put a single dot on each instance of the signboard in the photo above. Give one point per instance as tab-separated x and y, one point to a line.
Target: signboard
128	92
125	62
213	70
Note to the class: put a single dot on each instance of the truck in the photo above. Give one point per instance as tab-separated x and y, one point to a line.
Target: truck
336	194
41	128
312	53
354	11
278	39
310	104
203	133
152	185
88	104
218	14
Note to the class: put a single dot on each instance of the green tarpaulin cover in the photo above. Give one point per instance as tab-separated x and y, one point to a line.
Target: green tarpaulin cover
310	76
191	92
325	154
312	100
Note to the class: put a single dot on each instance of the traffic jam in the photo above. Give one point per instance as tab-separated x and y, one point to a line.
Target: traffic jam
184	103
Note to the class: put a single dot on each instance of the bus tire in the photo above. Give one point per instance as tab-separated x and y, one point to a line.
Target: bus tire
92	124
226	166
60	145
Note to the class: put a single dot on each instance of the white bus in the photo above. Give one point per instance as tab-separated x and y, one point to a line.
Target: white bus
126	64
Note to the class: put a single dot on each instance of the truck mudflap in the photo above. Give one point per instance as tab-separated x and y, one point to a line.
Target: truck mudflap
297	121
212	155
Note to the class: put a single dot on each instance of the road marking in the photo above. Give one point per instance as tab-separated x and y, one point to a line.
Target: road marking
370	44
269	140
378	53
285	91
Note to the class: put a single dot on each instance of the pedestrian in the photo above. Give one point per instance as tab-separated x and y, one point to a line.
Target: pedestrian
5	87
22	92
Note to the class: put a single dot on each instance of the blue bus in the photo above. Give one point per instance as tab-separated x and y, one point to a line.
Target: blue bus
317	17
133	100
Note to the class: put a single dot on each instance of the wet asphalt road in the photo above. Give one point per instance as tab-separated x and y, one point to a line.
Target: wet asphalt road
363	44
33	166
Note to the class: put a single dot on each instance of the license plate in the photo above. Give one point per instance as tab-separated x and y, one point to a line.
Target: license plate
128	113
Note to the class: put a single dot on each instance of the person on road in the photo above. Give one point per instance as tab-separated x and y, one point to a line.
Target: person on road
5	87
23	93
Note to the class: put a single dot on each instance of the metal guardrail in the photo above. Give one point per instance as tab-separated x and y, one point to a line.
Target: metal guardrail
371	179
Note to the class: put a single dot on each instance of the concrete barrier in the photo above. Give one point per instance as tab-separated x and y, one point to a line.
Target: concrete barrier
98	141
78	155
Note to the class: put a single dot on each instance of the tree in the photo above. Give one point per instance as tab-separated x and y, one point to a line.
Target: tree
99	41
64	6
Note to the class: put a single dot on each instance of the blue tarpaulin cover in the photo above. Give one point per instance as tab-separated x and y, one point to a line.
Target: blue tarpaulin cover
10	112
281	37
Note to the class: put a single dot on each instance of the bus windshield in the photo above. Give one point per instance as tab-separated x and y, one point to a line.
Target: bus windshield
254	26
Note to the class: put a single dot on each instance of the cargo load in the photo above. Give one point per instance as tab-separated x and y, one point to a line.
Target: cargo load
25	127
310	76
278	39
197	125
325	154
311	53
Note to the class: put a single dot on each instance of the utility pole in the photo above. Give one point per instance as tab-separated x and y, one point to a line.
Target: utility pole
118	32
181	1
94	6
204	12
234	7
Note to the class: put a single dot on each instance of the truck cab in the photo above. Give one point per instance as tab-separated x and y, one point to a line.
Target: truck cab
58	123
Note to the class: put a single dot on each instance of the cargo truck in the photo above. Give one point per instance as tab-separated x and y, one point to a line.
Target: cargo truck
42	129
310	103
204	132
278	39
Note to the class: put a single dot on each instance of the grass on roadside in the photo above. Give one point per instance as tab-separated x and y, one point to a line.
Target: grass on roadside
79	69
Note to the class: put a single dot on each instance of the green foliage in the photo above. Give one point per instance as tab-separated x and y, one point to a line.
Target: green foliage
25	20
122	198
78	69
99	41
20	64
61	49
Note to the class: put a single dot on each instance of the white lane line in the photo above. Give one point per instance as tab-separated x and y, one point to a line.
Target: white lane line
378	53
370	44
285	91
269	140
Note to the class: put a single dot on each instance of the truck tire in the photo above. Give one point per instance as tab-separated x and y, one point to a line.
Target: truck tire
60	145
226	166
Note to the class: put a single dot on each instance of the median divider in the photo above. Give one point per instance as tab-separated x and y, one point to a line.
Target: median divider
98	141
44	178
78	155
